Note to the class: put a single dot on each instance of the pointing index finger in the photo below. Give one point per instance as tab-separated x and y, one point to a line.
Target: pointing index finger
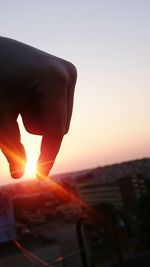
49	148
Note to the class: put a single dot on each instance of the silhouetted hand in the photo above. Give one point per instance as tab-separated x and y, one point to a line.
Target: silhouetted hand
40	87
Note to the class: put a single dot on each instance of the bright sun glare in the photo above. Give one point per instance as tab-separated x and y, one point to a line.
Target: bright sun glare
30	168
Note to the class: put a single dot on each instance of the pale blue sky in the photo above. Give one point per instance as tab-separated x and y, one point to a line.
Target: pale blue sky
109	42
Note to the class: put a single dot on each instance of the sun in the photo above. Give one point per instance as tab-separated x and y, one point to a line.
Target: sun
30	168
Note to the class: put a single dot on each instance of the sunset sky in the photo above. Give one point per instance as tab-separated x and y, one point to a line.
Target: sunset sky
109	42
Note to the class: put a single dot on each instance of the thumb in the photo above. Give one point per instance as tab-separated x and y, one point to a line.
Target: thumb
12	148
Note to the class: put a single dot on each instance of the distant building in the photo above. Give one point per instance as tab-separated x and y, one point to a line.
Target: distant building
120	184
94	192
132	188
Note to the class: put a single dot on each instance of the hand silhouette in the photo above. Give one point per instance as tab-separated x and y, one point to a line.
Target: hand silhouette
39	87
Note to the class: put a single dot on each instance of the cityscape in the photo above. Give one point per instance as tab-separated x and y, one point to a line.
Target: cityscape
46	215
74	133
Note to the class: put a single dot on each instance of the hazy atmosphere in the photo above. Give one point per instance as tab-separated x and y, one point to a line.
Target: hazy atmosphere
109	43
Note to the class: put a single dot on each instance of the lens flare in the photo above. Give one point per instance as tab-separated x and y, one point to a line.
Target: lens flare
30	168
